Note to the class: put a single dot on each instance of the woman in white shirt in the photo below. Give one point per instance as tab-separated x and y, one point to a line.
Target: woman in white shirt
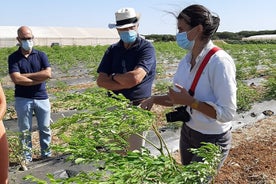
213	105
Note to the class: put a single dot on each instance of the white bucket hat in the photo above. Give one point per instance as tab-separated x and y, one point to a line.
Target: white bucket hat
125	17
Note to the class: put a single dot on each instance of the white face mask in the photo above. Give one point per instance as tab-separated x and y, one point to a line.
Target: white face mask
27	44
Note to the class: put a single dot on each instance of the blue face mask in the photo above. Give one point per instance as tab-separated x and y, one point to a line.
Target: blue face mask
27	44
183	41
128	36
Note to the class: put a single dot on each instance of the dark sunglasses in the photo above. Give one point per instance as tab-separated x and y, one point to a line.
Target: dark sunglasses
30	38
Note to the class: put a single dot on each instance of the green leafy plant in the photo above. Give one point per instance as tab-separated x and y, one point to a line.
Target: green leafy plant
15	155
270	86
161	87
16	148
9	93
245	97
99	130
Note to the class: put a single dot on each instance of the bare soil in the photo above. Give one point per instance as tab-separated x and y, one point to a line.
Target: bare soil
252	158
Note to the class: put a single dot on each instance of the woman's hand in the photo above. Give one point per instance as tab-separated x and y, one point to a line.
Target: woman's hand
182	97
147	103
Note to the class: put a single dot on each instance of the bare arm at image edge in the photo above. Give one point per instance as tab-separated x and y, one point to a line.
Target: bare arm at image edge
4	151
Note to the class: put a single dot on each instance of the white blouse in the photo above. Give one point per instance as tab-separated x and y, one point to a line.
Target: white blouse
216	87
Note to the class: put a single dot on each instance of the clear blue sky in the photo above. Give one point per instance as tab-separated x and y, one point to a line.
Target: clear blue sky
236	15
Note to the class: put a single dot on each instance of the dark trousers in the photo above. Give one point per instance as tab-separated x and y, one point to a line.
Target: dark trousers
190	138
137	102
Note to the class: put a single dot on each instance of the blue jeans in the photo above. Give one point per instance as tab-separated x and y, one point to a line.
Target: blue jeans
25	107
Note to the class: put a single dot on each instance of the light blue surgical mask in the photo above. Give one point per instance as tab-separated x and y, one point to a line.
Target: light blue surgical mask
183	41
128	36
27	44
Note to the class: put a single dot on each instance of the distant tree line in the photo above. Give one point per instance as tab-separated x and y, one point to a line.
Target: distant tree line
226	36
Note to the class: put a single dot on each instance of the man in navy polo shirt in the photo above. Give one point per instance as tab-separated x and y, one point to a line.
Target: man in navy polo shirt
128	66
29	69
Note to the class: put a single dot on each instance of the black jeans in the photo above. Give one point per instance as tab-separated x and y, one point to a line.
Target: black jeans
190	138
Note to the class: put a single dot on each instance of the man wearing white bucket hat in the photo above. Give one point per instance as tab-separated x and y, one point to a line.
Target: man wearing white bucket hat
128	66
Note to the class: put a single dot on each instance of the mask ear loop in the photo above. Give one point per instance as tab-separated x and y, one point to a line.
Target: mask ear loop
192	30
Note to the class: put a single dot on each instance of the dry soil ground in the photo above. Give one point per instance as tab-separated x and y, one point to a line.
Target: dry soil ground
252	158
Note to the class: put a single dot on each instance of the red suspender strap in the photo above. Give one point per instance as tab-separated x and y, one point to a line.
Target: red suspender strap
201	68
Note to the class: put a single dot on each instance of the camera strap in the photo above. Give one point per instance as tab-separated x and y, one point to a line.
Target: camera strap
200	69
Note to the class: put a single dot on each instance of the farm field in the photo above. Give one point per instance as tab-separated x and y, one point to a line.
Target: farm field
253	154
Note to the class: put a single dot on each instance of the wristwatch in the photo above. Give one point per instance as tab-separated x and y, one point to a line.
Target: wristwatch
112	76
195	104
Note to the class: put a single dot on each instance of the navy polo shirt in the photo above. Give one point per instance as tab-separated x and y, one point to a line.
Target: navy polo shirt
35	62
118	59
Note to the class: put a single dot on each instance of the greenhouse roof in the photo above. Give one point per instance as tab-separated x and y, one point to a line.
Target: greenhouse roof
61	32
261	37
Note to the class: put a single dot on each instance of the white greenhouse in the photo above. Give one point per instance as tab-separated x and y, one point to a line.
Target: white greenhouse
48	36
261	37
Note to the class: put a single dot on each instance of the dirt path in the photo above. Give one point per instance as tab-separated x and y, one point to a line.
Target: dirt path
252	158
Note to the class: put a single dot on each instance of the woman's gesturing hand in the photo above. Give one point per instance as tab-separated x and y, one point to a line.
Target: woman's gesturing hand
182	97
147	103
